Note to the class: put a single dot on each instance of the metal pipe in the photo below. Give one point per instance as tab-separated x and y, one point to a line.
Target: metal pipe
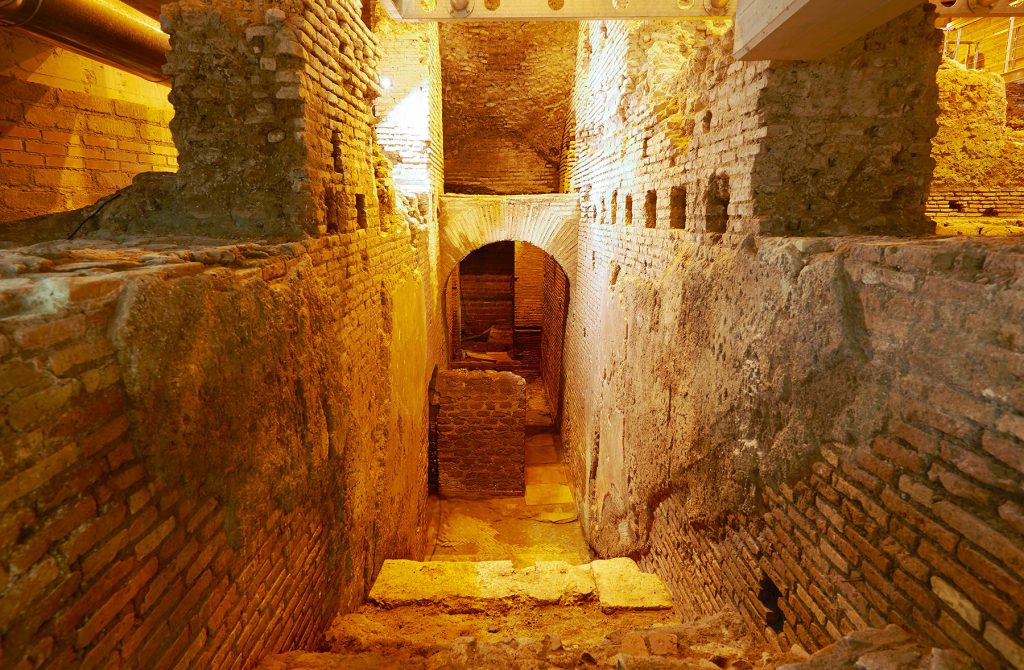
106	30
1009	45
148	7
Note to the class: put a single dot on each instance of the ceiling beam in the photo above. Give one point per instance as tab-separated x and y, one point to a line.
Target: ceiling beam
807	29
979	8
812	29
558	10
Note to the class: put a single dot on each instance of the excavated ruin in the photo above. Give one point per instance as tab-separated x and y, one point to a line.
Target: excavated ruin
544	335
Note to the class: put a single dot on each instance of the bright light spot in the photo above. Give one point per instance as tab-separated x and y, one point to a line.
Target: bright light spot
385	83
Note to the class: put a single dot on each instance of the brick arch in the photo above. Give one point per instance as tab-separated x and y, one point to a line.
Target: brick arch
548	221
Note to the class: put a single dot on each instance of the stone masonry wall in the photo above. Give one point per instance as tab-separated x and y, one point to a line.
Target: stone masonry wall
481	433
72	130
975	149
797	428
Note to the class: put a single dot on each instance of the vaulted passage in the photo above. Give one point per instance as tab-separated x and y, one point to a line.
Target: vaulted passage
540	334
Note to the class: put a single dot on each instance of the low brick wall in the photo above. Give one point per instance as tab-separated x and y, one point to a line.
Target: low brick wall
975	202
481	433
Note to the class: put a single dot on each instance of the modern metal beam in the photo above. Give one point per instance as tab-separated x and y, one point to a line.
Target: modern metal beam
556	10
979	8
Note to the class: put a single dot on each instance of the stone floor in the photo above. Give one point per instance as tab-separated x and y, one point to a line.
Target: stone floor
541	526
510	584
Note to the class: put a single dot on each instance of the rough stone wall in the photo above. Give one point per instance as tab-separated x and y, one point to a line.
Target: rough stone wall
979	155
299	128
506	92
553	324
72	130
529	287
974	147
481	433
732	401
670	132
770	410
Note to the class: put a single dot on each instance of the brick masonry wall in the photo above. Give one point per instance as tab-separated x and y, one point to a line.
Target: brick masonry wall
487	300
668	127
816	415
529	285
915	523
142	529
975	202
409	129
1015	105
506	92
121	542
481	440
555	309
66	142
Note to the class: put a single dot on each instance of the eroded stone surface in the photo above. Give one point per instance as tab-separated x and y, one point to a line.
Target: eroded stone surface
622	586
453	584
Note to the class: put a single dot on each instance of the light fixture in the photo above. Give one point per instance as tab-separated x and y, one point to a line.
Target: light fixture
386	83
460	8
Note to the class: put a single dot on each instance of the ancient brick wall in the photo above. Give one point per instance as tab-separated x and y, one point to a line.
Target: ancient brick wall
670	132
487	301
503	117
409	129
72	130
792	427
556	303
481	433
529	285
972	202
142	528
1015	105
129	536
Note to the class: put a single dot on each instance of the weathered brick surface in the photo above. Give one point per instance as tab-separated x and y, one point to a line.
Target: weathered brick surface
975	201
1015	105
808	414
481	441
503	118
142	529
529	286
661	106
554	311
64	147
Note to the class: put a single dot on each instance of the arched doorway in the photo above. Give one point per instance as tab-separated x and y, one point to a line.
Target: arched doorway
506	305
